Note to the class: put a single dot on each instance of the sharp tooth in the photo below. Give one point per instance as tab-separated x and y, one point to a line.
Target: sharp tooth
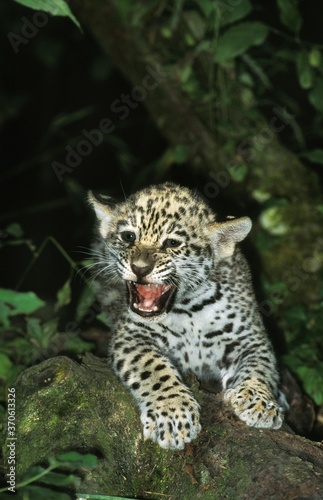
136	306
155	308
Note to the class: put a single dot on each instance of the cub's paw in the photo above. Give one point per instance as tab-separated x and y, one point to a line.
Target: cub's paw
255	406
172	423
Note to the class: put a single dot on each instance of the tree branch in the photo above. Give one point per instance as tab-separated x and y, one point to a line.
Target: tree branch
62	405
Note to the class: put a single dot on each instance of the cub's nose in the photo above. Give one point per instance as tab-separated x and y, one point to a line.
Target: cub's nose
142	262
141	270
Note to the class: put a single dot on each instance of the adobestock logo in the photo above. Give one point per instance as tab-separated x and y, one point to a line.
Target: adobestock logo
126	102
29	30
83	148
122	108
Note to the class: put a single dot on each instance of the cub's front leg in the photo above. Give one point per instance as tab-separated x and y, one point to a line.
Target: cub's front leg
253	403
251	388
169	412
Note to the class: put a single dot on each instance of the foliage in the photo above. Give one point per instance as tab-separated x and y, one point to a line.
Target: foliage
54	7
232	58
46	478
14	303
303	331
29	328
238	37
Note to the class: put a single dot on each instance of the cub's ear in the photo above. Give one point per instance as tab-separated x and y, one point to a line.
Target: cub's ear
104	210
101	204
225	235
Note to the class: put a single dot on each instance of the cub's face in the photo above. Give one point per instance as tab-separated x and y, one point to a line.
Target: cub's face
161	243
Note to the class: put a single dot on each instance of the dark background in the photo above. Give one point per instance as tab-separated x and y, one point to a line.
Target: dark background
59	84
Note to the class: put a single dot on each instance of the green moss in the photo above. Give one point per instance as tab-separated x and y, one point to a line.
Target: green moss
284	259
158	473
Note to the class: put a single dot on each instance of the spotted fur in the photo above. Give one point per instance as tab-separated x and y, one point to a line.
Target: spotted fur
182	300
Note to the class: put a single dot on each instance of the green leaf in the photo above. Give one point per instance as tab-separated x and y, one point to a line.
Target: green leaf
5	366
104	318
315	156
39	493
50	328
180	154
58	479
86	300
296	314
304	70
238	172
289	14
14	230
316	95
186	72
195	23
76	345
260	196
285	54
75	459
64	119
236	40
207	7
312	378
204	45
53	7
272	220
13	303
63	296
233	13
89	496
315	58
37	473
314	387
166	32
21	346
34	329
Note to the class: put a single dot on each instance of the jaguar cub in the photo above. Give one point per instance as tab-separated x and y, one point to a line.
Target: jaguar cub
182	298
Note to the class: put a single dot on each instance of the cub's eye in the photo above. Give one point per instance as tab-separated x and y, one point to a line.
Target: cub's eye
171	243
128	236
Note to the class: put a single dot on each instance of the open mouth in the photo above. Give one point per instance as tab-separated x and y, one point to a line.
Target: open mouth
149	299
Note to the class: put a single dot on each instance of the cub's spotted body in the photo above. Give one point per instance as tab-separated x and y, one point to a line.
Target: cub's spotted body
182	298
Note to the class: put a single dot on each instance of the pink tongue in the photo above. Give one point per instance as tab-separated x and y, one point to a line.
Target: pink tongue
149	294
